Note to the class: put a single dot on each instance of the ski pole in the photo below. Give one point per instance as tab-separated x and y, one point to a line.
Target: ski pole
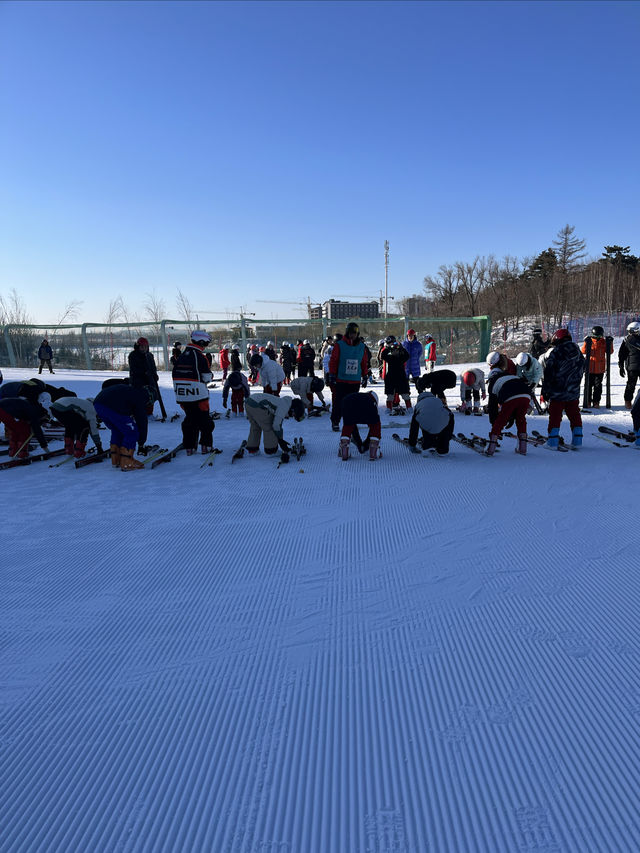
19	451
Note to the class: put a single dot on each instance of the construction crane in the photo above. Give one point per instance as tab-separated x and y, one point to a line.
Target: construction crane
309	302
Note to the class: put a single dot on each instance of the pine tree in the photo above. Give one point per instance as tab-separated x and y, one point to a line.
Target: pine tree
569	250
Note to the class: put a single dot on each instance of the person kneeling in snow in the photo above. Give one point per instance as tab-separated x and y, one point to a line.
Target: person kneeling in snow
433	418
265	413
305	387
360	409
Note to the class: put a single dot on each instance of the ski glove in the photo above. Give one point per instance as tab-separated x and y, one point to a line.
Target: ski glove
331	379
364	382
622	371
284	447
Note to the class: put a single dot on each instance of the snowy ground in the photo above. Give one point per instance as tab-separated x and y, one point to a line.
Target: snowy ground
414	654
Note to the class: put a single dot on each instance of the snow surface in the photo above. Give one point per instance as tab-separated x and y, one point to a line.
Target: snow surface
415	654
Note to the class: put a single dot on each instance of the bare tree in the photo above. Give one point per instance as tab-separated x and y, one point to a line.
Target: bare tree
443	287
471	278
185	309
156	310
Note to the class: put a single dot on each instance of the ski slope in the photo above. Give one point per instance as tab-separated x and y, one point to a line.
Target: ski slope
416	654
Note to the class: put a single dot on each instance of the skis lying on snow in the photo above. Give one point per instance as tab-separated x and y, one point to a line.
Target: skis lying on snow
316	411
625	436
167	456
405	441
90	458
208	460
537	440
563	447
471	443
298	449
611	440
239	452
38	457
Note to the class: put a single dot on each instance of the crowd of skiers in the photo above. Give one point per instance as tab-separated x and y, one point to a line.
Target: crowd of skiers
556	365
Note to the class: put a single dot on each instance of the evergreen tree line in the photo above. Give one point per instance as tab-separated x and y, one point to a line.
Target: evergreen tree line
554	286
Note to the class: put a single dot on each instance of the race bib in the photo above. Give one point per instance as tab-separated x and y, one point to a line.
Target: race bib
352	367
187	391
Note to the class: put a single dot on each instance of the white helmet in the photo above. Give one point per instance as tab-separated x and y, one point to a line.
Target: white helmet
375	396
522	359
236	348
381	342
285	343
201	337
493	358
269	343
305	342
634	328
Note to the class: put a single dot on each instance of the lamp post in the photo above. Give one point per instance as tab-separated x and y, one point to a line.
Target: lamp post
386	279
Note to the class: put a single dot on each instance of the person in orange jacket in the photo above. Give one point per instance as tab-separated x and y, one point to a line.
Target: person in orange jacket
597	363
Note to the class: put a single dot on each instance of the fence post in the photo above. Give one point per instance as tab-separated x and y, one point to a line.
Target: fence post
165	345
10	352
243	338
85	346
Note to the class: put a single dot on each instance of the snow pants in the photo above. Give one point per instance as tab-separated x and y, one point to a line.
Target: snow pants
196	423
595	389
124	431
338	392
261	425
17	432
630	387
45	362
75	426
570	407
516	409
237	400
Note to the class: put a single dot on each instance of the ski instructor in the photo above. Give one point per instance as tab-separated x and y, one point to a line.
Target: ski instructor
348	368
190	374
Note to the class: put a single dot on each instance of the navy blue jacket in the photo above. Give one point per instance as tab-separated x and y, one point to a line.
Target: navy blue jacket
126	400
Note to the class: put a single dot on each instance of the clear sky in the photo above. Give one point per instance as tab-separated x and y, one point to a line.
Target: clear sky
265	151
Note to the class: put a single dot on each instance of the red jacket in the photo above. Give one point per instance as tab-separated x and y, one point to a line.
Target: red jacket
224	359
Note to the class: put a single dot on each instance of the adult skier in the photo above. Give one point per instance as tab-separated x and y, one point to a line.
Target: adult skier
538	345
266	414
288	361
629	360
123	409
306	359
45	354
600	346
270	374
348	368
191	376
414	348
563	370
224	361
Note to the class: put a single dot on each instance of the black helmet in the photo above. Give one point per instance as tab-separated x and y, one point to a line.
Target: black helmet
177	343
297	409
390	340
597	332
255	361
422	383
316	385
352	330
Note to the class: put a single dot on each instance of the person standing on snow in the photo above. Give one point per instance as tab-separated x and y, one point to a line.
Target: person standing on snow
239	387
306	360
395	377
224	361
45	354
629	360
538	345
234	358
191	376
123	409
414	348
600	346
561	378
348	369
433	418
287	360
360	409
429	353
472	385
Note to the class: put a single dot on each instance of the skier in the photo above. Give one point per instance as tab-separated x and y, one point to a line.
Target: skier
142	370
305	387
270	351
45	354
287	360
360	409
347	368
253	371
414	348
381	345
600	346
562	374
270	374
429	353
434	419
528	368
239	387
78	416
123	409
635	414
438	382
509	400
306	360
629	360
21	419
538	345
266	414
472	385
395	377
191	375
224	361
234	358
176	352
499	361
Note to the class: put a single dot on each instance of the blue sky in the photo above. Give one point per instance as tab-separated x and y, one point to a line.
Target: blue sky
265	151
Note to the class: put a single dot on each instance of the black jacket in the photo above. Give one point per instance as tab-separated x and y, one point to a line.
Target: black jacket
142	368
123	399
629	353
538	346
563	371
307	355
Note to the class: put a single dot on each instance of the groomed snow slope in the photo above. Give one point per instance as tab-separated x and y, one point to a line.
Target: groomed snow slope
415	654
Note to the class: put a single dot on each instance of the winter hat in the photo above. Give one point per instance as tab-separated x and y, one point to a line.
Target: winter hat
411	332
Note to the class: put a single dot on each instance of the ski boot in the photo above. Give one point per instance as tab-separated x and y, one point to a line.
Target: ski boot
493	444
522	444
190	451
114	450
343	450
576	437
206	449
628	404
127	461
553	442
374	448
79	449
477	410
68	445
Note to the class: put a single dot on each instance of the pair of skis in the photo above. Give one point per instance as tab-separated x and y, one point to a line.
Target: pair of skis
475	442
38	457
627	439
405	441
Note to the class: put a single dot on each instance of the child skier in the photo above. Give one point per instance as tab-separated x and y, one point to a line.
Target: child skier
600	346
563	369
433	418
395	378
239	387
472	385
360	409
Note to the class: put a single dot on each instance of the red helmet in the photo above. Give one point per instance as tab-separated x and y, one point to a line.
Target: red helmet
561	335
411	332
469	377
142	342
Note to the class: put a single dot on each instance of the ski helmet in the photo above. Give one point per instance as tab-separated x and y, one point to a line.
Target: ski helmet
269	343
285	344
381	341
634	328
411	332
236	348
352	330
375	396
561	335
177	343
523	359
428	338
297	409
597	332
390	340
469	377
493	358
316	385
200	337
305	343
142	342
